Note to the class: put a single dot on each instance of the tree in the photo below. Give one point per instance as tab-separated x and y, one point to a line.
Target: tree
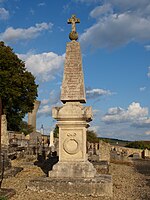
25	128
56	132
17	87
139	145
92	137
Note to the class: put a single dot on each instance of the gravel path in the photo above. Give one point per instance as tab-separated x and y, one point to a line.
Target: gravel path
130	183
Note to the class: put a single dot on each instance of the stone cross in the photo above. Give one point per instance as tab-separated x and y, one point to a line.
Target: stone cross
73	20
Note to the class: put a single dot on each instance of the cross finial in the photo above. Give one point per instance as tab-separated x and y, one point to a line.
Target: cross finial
73	20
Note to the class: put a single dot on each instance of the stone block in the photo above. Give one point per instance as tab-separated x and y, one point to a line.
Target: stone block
99	186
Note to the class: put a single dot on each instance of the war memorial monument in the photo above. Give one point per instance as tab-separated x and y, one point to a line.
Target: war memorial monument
73	174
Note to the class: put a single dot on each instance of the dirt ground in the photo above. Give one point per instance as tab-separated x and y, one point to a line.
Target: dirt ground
130	182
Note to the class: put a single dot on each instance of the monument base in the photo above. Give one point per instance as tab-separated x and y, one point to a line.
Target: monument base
99	186
73	169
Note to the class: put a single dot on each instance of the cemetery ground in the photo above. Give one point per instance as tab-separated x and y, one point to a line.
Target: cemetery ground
131	181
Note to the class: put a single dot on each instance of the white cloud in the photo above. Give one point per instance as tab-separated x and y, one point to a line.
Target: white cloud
45	110
95	93
44	101
147	47
142	123
133	114
44	66
12	34
4	14
118	23
147	133
87	1
47	104
142	89
148	74
42	4
100	10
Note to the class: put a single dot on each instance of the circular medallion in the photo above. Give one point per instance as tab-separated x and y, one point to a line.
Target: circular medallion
71	146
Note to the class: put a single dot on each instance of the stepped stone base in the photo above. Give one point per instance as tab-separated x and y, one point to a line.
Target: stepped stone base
99	186
73	169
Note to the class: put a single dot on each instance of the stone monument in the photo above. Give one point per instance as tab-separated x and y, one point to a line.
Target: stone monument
32	115
74	174
4	132
72	117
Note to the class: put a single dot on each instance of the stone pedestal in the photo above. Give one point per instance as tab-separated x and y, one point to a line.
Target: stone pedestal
72	120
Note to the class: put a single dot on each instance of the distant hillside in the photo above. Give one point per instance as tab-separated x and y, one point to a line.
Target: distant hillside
113	141
123	143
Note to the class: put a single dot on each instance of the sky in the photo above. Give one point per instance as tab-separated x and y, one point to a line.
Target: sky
115	42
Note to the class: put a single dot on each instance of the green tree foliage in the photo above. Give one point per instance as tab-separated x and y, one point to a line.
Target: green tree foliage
139	145
25	128
56	132
17	87
92	136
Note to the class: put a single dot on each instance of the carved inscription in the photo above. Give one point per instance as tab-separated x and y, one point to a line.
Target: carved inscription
73	82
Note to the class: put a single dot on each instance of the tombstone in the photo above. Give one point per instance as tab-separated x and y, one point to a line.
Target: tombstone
73	118
51	139
4	132
73	174
32	115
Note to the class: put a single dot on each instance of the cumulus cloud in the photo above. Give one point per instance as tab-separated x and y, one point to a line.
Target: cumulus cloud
101	10
44	66
12	34
47	104
4	14
95	93
118	23
147	47
148	74
147	133
134	114
142	123
45	110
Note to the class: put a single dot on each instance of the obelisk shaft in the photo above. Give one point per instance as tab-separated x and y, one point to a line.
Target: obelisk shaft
73	81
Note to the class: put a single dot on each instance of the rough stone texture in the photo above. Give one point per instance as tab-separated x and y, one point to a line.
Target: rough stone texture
4	132
73	81
32	115
7	193
104	151
99	186
73	170
72	121
147	153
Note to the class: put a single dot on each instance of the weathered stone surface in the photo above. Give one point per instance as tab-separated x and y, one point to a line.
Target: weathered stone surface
72	120
73	170
32	115
72	111
4	132
100	185
73	81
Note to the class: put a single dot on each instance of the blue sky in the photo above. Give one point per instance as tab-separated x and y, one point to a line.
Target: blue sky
115	42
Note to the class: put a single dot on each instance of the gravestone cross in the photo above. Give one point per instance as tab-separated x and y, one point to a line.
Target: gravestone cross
73	20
